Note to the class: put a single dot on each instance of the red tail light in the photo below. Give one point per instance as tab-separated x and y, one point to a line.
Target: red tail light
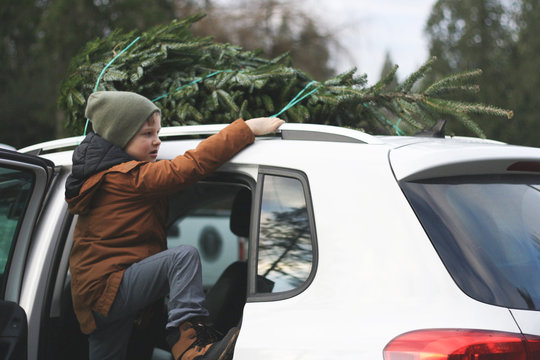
461	344
533	347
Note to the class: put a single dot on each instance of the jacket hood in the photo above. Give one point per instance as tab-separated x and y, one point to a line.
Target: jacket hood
93	155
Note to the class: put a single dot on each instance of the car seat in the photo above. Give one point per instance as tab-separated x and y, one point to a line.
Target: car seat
225	300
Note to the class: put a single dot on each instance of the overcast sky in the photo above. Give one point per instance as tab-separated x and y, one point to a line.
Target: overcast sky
370	28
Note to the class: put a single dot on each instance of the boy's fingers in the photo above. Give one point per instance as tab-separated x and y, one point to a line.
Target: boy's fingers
276	123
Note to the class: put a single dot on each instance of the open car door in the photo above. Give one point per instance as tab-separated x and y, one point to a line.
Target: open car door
24	180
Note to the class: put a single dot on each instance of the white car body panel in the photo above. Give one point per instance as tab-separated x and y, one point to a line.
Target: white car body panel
440	159
266	328
360	297
528	320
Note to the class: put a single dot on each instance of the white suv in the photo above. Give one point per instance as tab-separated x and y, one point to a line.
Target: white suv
345	246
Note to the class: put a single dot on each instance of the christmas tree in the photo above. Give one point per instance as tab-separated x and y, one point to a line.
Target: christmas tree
195	80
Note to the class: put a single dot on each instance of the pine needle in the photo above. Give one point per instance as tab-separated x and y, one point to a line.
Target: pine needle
417	75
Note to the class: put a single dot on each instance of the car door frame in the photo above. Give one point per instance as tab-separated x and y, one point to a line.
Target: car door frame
13	327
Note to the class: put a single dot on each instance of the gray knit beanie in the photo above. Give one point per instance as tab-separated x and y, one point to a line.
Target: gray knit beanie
117	116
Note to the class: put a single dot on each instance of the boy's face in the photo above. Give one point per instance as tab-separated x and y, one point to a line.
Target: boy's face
145	144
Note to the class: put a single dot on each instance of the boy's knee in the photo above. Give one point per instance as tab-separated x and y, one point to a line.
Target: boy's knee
187	253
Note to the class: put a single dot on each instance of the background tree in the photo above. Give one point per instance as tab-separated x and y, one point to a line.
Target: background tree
38	40
387	67
21	90
525	98
67	25
272	26
481	34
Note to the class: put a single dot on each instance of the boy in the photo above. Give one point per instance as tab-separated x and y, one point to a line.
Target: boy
119	263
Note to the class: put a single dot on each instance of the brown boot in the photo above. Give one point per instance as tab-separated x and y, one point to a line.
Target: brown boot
194	339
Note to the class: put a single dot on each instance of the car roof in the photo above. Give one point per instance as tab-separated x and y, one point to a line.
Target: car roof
411	157
60	150
460	156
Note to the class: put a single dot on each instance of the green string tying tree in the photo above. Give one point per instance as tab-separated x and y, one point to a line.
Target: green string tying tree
197	81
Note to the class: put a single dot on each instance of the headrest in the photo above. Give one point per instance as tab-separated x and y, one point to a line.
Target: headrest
241	213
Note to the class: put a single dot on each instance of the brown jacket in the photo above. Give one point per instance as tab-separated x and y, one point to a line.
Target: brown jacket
122	212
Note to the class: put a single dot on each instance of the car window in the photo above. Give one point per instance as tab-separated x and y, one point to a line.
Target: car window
487	232
15	191
285	248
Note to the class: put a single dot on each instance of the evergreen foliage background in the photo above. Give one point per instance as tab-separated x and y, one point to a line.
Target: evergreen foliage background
169	59
39	38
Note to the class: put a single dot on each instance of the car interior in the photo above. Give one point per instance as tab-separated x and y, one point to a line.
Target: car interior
61	337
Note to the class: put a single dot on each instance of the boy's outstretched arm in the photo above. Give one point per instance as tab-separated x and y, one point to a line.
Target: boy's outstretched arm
168	176
264	125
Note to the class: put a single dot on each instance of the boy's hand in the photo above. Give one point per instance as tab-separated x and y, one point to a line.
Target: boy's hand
263	126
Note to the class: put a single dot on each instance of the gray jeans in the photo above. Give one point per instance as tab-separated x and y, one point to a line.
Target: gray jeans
175	272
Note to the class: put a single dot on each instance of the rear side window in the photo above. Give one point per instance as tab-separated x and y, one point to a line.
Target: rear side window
487	232
15	191
286	249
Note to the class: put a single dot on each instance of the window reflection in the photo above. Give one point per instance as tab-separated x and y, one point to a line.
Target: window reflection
487	233
285	247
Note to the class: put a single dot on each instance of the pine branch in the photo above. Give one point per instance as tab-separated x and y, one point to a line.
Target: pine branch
385	81
417	75
453	82
456	107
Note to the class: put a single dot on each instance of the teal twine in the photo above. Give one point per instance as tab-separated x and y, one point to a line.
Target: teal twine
191	83
297	98
113	60
293	102
399	132
105	69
